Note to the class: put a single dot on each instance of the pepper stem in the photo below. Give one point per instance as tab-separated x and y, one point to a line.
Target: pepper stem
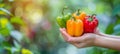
93	15
73	18
78	11
91	18
64	10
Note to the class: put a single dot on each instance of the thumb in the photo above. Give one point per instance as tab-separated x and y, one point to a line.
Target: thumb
64	34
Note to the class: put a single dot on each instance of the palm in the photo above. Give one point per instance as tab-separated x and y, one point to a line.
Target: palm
82	41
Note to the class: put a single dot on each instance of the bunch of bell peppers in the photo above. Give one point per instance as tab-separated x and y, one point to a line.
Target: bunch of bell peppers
78	23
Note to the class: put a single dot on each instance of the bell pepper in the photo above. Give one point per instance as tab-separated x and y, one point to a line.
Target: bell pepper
79	15
67	17
62	20
74	27
90	23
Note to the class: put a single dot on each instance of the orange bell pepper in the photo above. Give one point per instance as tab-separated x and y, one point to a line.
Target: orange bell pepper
79	15
70	27
74	27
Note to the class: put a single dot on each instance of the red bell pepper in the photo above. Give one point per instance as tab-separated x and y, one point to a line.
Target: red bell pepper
90	23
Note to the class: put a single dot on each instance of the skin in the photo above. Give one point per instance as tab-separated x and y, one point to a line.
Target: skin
92	39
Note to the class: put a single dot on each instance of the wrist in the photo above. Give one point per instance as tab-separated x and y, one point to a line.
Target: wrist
101	34
97	40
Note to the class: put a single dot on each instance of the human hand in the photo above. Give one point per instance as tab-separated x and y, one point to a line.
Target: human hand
97	31
86	40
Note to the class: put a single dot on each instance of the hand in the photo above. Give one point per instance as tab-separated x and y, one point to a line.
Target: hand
85	40
97	31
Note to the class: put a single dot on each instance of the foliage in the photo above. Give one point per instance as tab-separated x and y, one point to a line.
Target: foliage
30	26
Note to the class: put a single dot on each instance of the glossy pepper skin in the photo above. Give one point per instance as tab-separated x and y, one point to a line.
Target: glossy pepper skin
62	20
79	15
74	27
90	24
67	17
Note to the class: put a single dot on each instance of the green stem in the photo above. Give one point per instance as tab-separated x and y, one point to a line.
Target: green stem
90	19
78	11
63	10
93	15
74	18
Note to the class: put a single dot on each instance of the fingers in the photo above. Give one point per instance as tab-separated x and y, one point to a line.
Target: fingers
75	39
80	38
83	38
69	38
76	45
79	42
64	29
64	34
79	45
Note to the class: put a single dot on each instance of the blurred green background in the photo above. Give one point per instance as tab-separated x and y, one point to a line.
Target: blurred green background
29	26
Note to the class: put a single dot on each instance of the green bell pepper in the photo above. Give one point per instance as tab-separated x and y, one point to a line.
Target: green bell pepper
62	20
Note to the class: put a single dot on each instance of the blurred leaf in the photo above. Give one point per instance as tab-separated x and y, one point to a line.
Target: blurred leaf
3	22
5	27
17	45
100	8
15	50
117	29
16	34
116	2
110	50
10	49
2	13
11	0
4	31
17	20
6	45
97	50
26	51
1	39
1	1
116	10
109	29
6	11
118	21
116	33
2	5
9	26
